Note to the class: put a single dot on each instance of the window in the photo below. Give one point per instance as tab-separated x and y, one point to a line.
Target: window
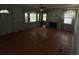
44	17
37	17
32	17
26	17
67	20
68	16
4	11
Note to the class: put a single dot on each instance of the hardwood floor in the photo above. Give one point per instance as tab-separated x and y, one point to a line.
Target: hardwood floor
36	41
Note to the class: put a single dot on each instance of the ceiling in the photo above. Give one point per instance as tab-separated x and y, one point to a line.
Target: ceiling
49	6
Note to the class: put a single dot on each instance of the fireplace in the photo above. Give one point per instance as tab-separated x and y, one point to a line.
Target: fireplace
52	25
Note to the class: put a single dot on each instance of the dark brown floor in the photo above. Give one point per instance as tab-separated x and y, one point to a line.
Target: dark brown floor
36	41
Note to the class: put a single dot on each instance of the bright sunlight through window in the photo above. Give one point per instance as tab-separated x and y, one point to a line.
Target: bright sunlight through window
44	17
32	17
68	16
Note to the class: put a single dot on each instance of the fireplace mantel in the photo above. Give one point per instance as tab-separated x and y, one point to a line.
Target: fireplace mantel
57	21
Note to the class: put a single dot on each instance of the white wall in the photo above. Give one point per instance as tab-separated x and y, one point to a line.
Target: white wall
75	43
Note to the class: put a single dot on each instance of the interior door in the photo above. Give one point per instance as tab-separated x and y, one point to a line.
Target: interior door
5	22
69	20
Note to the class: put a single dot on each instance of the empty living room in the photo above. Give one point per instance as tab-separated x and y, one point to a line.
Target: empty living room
39	29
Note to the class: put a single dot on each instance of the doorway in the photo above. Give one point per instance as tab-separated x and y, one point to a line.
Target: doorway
5	21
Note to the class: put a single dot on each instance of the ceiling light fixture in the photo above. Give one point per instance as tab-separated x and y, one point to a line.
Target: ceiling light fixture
42	8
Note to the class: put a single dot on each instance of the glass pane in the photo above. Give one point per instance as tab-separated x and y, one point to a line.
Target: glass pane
4	11
44	17
68	20
37	17
26	17
32	17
